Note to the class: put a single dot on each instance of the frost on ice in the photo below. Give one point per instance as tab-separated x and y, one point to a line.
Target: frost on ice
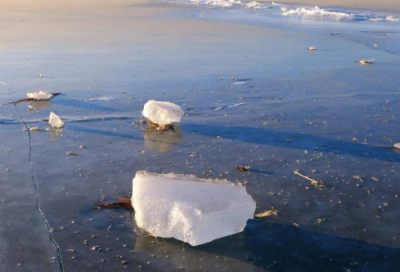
40	95
55	121
190	209
162	113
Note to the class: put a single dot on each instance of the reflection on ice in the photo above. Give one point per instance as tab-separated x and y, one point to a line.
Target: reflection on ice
181	256
55	133
39	105
164	140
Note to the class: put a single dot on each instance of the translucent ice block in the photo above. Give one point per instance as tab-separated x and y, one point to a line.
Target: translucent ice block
55	121
162	113
40	95
190	209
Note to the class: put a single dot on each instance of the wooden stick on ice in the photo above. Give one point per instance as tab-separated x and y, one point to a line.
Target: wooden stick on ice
314	182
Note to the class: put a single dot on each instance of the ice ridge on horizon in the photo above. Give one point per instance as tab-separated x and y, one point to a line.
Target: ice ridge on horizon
302	11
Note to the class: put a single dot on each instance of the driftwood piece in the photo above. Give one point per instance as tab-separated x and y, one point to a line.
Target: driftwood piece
314	182
266	213
150	124
242	168
122	203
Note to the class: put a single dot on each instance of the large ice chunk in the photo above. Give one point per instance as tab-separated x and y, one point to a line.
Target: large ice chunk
40	95
55	121
162	113
397	145
190	209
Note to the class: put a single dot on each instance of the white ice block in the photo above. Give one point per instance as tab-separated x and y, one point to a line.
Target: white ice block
55	121
190	209
162	113
397	145
40	95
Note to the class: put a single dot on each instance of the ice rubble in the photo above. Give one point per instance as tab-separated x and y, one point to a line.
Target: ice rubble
40	95
287	10
316	11
390	18
219	3
237	3
255	5
190	209
162	113
55	121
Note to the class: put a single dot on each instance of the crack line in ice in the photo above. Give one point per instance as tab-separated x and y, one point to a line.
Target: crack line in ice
34	181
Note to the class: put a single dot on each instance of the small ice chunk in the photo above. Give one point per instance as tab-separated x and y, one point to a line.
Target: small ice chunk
397	145
162	113
55	121
390	18
312	48
190	209
255	5
34	128
40	95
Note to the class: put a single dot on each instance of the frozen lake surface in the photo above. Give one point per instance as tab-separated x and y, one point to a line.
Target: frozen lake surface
316	112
